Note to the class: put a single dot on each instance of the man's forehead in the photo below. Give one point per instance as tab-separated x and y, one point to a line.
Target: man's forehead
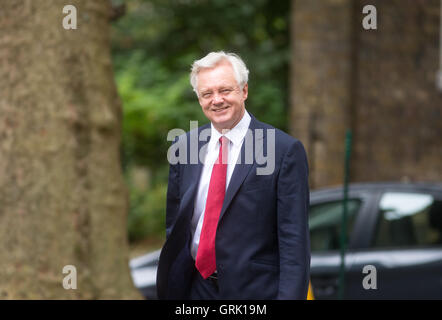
219	85
219	69
218	76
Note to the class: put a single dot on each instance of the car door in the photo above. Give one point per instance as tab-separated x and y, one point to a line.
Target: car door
404	248
325	218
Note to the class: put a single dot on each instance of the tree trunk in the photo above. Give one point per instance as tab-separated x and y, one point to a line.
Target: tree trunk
321	83
62	196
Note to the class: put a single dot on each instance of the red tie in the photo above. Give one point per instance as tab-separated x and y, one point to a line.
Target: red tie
205	257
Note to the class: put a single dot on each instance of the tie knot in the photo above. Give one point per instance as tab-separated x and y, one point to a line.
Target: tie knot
223	140
223	150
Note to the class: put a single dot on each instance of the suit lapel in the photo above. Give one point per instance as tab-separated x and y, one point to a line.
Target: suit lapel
194	169
239	174
242	169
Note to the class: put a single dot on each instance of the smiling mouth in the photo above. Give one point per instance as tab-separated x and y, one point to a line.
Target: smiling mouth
219	109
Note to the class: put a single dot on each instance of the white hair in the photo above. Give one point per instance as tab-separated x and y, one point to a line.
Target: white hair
240	70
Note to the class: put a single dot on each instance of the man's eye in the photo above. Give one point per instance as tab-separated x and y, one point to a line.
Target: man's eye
207	95
226	91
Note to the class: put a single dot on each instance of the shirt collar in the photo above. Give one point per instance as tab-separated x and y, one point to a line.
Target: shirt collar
236	134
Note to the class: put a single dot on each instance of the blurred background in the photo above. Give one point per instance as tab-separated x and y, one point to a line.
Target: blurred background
84	116
153	47
314	72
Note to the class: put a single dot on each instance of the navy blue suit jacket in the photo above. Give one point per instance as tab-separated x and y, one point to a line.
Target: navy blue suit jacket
262	240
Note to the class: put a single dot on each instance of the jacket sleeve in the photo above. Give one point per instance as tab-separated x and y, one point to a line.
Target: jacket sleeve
292	218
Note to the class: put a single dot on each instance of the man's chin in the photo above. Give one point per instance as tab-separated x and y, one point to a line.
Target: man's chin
219	124
221	118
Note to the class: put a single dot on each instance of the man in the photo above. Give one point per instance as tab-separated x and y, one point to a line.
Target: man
236	226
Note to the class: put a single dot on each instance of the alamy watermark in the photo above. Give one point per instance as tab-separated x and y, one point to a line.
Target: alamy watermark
70	281
183	152
70	20
370	281
370	21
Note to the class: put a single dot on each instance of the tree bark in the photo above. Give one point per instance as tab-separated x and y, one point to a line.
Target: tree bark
321	84
62	195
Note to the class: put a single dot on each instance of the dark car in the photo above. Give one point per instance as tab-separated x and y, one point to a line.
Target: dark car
394	246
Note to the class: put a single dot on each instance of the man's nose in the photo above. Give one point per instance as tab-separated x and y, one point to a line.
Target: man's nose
217	98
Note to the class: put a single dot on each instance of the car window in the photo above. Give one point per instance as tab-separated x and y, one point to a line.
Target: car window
408	219
325	223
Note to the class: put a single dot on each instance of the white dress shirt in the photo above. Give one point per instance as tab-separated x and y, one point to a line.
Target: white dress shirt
236	137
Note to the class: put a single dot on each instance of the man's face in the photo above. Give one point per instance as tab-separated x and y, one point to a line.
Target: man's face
220	96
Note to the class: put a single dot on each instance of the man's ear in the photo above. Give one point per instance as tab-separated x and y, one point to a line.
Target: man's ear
245	91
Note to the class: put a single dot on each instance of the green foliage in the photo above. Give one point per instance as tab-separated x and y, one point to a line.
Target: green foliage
146	216
153	47
155	101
